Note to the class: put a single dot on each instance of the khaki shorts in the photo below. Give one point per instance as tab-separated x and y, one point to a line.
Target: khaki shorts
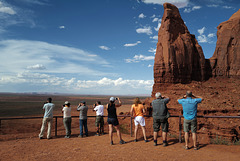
99	121
160	122
190	123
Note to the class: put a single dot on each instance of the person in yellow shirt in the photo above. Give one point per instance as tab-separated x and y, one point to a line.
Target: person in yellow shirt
137	111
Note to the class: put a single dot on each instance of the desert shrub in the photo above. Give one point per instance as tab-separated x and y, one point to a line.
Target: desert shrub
219	140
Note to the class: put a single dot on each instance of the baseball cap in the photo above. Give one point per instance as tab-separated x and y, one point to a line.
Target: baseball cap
112	99
158	94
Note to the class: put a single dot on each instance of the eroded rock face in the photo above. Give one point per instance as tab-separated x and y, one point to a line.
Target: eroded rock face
179	58
226	58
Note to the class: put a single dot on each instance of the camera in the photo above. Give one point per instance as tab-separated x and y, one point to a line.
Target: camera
116	98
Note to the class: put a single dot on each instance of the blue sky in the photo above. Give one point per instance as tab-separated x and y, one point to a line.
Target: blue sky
93	46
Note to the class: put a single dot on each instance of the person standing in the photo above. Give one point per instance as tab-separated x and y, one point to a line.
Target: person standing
113	120
83	118
47	118
67	120
137	110
160	117
189	103
99	123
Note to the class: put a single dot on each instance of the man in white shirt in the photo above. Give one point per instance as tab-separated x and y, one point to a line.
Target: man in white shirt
99	118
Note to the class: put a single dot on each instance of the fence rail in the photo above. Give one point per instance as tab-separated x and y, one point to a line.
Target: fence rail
56	117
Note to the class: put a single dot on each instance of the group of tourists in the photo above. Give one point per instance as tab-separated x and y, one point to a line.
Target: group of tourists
160	116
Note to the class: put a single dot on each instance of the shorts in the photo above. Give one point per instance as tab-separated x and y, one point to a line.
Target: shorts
139	120
188	123
99	121
163	122
113	121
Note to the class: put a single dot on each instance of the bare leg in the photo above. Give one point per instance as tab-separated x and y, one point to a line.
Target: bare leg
194	137
155	135
144	132
164	136
135	132
186	138
110	132
118	132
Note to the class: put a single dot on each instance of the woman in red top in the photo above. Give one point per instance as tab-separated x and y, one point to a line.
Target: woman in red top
137	110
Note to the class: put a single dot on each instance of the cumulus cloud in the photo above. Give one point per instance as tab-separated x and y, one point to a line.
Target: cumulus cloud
6	9
201	31
141	16
134	44
37	67
154	37
144	30
155	19
104	47
188	10
62	27
211	35
178	3
152	50
138	58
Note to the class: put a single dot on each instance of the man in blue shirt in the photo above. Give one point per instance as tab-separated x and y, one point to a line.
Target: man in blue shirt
189	103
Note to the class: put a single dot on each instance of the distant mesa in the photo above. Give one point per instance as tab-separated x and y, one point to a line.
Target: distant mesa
180	59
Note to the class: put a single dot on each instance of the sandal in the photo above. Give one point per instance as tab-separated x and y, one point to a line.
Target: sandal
195	148
186	147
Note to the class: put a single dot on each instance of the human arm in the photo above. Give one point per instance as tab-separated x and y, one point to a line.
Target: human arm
78	107
119	102
197	97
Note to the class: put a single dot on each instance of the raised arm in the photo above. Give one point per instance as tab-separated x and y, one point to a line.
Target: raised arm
119	102
197	96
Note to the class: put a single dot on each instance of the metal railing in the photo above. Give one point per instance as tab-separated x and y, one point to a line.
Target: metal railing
179	116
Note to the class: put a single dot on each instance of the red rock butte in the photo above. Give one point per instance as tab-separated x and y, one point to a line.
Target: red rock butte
180	59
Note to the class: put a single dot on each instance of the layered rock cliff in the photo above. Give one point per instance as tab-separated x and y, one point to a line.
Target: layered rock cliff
226	58
179	58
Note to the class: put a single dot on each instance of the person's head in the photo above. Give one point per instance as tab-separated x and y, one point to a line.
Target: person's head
98	103
49	100
158	95
189	94
137	101
112	100
67	104
83	103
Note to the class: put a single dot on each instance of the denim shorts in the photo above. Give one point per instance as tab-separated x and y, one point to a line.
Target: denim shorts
113	121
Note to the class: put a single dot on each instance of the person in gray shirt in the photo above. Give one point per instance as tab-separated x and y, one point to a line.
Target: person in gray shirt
160	117
83	118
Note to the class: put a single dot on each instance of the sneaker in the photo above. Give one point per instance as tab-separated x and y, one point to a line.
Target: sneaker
135	140
80	136
155	143
111	143
165	144
146	141
195	148
97	134
122	142
66	136
49	138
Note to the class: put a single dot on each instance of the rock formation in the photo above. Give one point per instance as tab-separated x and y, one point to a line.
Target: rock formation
179	58
226	58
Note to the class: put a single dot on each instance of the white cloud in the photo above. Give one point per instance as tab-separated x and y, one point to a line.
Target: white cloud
153	16
104	47
227	7
6	9
62	27
154	37
202	39
138	58
36	67
159	25
134	44
141	16
22	55
213	5
178	3
201	31
152	50
211	35
144	30
188	10
155	19
149	65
